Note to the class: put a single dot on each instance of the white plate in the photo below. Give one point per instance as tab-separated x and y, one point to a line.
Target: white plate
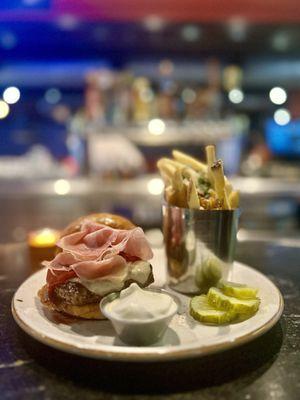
185	338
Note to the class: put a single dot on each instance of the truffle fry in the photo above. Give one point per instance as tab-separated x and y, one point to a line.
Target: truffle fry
228	186
192	196
234	199
189	173
210	158
179	188
189	161
166	169
212	193
170	196
219	182
174	163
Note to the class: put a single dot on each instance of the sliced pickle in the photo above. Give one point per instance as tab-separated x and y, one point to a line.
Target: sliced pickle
202	311
238	290
227	303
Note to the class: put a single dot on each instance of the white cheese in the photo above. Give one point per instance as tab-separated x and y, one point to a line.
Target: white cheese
138	271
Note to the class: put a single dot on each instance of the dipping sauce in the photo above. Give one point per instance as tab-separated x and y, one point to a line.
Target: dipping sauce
137	304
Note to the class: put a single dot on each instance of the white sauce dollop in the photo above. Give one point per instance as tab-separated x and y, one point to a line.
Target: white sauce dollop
135	303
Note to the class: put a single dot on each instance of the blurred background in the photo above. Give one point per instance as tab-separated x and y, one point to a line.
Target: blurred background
93	92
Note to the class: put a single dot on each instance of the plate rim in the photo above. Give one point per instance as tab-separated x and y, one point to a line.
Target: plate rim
159	354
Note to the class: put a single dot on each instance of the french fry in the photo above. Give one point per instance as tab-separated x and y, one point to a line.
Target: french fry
205	203
212	203
179	188
166	163
174	163
170	196
210	158
171	172
212	193
192	196
177	181
228	186
189	173
219	182
166	169
210	155
234	199
189	161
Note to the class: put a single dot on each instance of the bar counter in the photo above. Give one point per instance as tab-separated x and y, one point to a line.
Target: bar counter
266	368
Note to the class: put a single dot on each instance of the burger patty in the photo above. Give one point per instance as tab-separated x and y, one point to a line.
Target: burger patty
75	293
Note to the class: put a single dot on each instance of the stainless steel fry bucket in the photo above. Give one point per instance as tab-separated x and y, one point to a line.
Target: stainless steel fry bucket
199	246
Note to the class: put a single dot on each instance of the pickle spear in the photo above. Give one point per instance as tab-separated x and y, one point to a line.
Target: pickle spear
208	273
238	290
202	311
227	303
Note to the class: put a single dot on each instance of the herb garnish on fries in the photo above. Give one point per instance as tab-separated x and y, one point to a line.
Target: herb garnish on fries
189	183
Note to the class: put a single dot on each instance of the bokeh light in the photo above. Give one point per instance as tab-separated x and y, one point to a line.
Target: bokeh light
53	96
236	96
4	109
188	95
155	186
154	23
278	95
68	22
190	33
282	116
62	187
156	126
281	41
166	67
11	95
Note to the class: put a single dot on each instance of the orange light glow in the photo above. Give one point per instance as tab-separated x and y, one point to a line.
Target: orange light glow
43	238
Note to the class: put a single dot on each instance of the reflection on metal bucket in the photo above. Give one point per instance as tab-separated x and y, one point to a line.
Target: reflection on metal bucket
199	246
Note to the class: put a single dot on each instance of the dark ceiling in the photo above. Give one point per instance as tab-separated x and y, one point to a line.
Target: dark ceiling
121	42
266	11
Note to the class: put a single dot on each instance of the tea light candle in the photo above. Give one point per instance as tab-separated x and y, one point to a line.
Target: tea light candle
43	238
42	245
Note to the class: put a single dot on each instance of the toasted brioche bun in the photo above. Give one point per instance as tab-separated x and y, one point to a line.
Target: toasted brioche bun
112	220
92	310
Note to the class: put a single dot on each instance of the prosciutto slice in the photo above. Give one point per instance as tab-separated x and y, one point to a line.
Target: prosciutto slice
96	251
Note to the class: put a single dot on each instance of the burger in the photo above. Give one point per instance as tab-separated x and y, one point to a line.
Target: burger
96	255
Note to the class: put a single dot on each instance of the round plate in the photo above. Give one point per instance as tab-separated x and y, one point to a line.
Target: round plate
185	337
